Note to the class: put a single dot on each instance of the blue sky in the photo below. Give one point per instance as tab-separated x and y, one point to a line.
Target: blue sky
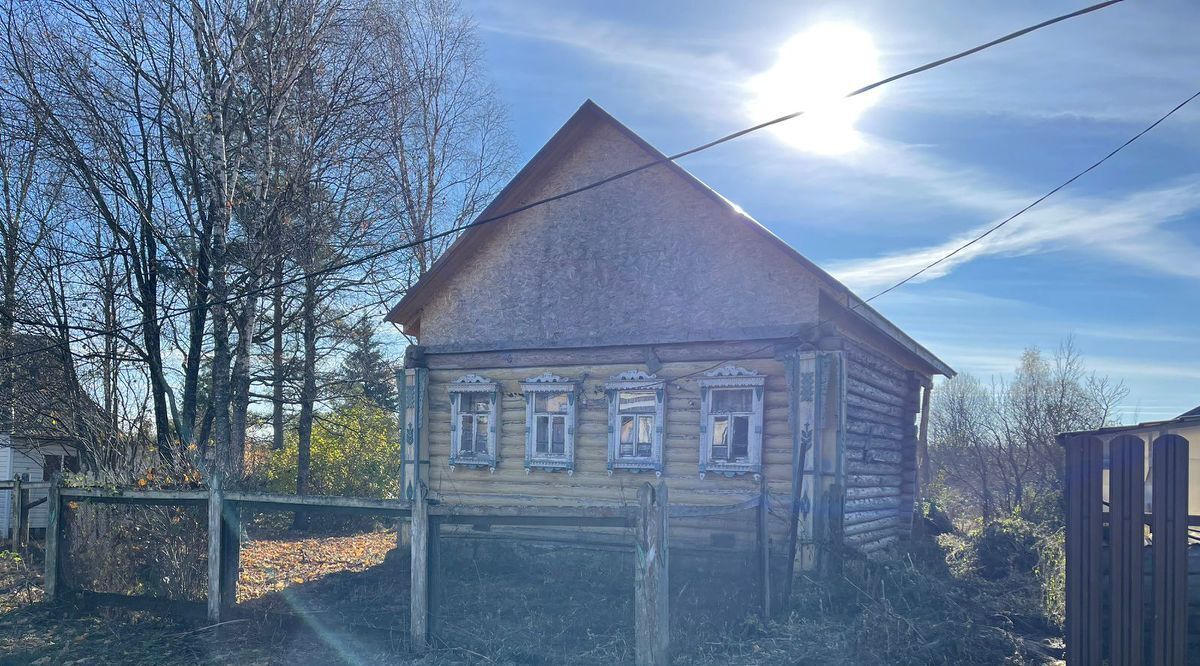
1114	260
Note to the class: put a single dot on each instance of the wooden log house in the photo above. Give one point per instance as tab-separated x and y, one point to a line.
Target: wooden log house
646	329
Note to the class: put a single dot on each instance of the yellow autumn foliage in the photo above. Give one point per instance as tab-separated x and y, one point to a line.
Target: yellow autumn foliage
355	452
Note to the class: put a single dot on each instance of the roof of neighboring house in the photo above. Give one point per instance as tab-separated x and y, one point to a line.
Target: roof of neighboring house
1189	419
407	310
48	403
1192	412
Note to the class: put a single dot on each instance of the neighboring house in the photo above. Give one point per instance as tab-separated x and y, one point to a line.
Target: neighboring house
1186	425
650	328
49	412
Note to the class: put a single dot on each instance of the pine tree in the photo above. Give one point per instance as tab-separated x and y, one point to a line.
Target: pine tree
366	368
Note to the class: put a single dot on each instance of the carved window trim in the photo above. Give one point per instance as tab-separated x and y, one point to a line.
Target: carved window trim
549	384
732	377
464	388
642	382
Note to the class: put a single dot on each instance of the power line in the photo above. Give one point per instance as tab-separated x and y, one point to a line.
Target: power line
1040	199
969	243
584	188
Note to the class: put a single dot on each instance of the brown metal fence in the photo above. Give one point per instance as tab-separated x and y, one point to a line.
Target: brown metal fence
1113	616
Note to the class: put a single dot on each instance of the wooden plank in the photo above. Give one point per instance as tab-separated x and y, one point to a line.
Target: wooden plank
215	551
499	511
419	588
329	503
155	497
651	595
542	520
1170	490
437	584
231	553
16	513
1126	534
1084	466
764	552
52	581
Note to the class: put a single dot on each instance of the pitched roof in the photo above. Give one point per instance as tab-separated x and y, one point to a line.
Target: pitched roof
407	311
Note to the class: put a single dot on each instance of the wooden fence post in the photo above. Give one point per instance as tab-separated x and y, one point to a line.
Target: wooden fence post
17	505
1127	498
215	551
419	589
1169	470
651	596
1085	457
51	585
231	552
764	548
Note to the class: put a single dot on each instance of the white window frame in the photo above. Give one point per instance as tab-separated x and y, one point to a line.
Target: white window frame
635	380
542	385
468	387
731	377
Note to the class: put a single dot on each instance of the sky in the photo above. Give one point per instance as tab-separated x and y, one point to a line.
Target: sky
874	189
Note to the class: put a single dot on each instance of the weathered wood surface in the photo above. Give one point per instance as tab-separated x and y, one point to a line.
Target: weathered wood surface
284	502
764	552
631	355
52	579
419	588
651	600
591	482
215	551
137	496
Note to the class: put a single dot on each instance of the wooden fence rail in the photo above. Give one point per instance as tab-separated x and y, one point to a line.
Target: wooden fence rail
648	523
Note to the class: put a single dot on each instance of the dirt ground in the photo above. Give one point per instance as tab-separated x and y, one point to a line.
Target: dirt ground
342	599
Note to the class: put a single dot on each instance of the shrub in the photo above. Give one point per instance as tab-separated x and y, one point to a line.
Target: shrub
355	452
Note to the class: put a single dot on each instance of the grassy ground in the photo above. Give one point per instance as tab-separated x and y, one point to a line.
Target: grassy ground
527	605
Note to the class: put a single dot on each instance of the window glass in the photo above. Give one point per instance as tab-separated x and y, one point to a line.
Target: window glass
720	438
479	405
739	437
645	435
558	436
481	433
541	429
550	403
467	437
725	401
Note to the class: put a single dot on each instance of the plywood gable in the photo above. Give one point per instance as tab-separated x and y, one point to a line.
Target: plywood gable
654	257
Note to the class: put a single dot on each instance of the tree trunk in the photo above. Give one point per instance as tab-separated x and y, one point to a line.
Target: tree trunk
277	369
308	394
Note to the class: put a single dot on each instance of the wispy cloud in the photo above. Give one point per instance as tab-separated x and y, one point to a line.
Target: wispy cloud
1131	229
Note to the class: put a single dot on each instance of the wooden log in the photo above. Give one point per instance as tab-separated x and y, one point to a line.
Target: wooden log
868	503
856	517
875	430
872	480
863	538
215	551
879	491
870	526
885	456
879	380
871	393
877	468
854	441
419	588
876	546
869	416
651	594
861	402
51	581
862	356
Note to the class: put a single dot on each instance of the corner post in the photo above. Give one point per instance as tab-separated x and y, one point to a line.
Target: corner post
216	532
419	589
54	525
651	594
231	552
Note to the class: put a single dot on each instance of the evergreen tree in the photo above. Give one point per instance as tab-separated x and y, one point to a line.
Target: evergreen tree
365	367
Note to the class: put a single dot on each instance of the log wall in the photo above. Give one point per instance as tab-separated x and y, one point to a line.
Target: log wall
882	401
591	483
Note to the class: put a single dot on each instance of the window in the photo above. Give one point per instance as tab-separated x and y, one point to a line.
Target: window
549	423
731	422
473	422
635	422
56	464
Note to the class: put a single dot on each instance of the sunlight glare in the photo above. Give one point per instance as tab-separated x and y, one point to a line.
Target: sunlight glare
813	72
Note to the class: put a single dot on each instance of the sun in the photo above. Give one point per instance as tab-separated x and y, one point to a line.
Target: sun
813	72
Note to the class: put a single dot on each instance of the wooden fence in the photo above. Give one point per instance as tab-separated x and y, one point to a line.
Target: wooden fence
648	524
21	505
1112	615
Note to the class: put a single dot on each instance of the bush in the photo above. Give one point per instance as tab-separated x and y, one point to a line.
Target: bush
355	452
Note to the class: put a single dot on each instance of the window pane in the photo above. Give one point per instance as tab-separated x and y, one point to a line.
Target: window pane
481	433
541	430
480	405
558	436
642	402
550	403
645	441
740	436
720	438
466	439
725	401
